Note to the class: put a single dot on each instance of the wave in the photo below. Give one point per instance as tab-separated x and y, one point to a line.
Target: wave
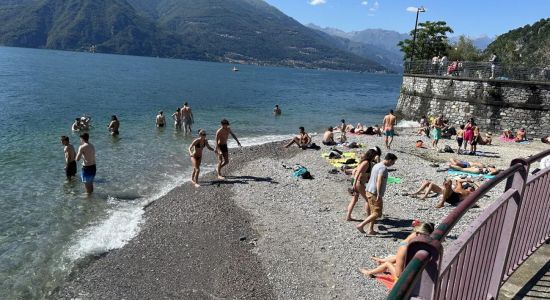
407	124
122	222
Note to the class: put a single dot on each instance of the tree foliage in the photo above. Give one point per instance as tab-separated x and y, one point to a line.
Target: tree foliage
464	50
431	40
526	46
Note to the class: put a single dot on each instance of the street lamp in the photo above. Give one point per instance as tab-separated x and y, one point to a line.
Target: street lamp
418	10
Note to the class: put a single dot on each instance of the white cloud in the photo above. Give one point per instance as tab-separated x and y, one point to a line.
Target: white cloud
317	2
365	3
375	6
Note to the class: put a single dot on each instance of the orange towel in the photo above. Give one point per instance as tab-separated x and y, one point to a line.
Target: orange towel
387	280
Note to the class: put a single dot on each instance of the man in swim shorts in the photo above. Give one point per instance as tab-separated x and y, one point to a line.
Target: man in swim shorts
389	123
222	135
70	154
187	117
86	152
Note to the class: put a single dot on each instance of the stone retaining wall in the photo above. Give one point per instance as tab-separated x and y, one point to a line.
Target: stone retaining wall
494	104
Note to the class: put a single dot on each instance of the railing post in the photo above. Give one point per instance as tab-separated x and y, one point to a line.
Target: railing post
516	182
425	287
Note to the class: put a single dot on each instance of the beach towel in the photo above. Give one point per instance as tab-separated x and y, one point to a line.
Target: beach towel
387	280
344	155
394	180
458	173
524	142
506	140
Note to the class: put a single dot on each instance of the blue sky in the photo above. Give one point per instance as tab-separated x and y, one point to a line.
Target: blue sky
467	17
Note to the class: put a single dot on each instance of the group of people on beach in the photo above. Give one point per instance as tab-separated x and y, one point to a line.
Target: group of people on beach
182	117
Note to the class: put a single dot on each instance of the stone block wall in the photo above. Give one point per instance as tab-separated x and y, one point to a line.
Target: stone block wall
494	104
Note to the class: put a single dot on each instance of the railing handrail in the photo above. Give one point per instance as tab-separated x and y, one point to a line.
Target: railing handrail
427	252
456	214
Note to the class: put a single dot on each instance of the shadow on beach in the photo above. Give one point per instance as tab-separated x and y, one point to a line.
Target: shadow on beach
242	180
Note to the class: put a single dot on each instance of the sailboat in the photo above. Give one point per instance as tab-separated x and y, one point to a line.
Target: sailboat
235	69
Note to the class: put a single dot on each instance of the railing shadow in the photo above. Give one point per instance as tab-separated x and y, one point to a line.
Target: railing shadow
533	285
242	180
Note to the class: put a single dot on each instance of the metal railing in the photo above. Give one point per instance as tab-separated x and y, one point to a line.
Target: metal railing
505	234
478	70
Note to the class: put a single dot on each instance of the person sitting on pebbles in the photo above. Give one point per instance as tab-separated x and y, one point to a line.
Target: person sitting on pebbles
302	140
546	139
395	264
521	135
328	137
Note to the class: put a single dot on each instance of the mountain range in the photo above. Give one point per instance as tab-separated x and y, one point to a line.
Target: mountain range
236	31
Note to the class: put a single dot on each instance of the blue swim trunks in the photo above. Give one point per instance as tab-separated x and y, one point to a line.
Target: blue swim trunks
389	133
88	174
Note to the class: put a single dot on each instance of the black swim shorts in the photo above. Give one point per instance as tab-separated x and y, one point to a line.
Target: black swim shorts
223	148
71	169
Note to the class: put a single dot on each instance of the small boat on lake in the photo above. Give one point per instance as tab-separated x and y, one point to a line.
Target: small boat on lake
235	69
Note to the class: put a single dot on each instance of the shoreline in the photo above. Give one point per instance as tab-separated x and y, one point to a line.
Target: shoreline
296	243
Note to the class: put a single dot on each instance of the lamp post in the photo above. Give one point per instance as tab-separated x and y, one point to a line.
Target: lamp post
418	10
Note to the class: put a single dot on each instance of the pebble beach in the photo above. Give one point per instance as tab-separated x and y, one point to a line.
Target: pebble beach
264	234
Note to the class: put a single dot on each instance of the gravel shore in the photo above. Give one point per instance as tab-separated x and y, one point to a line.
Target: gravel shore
264	234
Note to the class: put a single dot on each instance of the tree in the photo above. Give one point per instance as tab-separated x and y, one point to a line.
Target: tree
465	50
431	40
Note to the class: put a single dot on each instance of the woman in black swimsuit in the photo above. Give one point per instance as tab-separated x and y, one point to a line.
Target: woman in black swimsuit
195	151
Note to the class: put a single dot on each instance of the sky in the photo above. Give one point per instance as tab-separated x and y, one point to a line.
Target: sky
466	17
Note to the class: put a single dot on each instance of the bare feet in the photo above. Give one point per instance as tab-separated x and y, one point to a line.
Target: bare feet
372	232
350	219
196	185
439	206
367	273
220	177
360	228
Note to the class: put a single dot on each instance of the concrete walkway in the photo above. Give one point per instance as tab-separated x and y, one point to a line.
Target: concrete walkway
531	280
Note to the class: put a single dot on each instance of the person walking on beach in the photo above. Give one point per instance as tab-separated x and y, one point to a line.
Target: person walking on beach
361	175
160	120
376	188
389	123
222	135
437	126
114	125
469	133
195	151
177	119
187	117
86	152
277	111
70	154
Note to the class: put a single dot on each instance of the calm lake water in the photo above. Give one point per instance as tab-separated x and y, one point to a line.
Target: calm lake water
47	224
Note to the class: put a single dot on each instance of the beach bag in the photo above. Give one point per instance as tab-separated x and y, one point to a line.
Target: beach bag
334	154
448	149
353	145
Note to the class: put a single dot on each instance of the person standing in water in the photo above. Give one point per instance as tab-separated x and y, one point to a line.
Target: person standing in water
70	154
177	119
186	117
195	151
114	125
160	120
222	135
277	111
86	152
389	123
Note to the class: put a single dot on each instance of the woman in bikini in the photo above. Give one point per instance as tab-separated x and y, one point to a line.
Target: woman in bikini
448	194
395	264
195	151
361	175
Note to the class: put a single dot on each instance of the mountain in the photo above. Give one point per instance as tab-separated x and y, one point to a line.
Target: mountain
379	48
244	31
528	45
480	42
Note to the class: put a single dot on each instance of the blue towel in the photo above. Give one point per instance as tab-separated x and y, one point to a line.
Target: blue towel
458	173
